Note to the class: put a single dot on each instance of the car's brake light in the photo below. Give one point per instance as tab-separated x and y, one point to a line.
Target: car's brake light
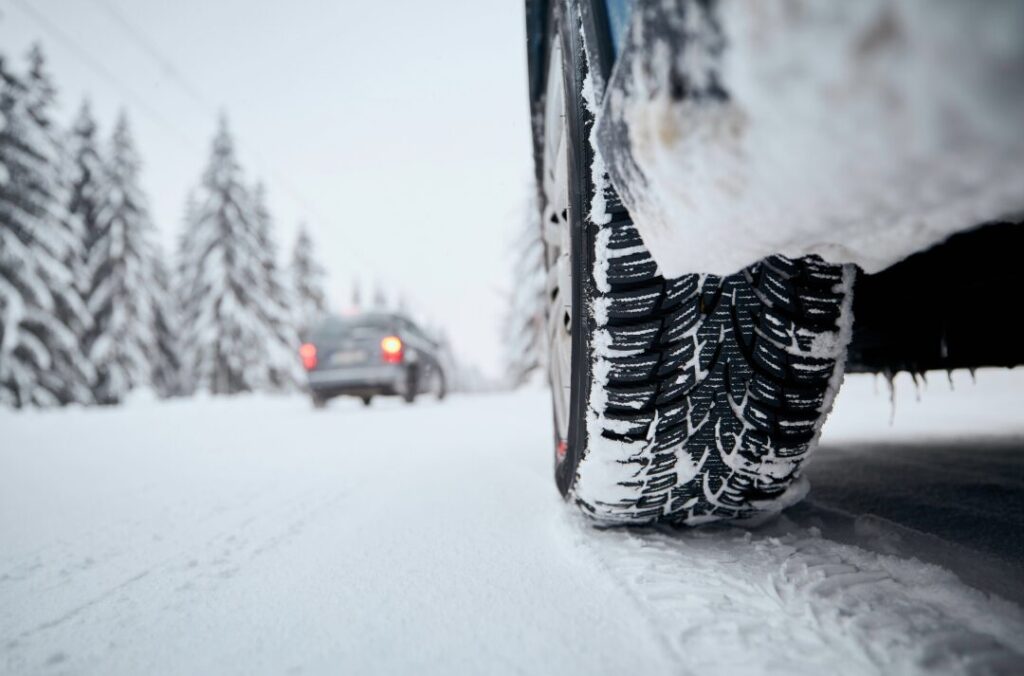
391	349
308	354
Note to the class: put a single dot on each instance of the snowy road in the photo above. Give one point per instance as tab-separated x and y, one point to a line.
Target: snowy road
254	535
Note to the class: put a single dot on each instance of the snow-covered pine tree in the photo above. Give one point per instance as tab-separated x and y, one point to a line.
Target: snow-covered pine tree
83	171
277	308
180	283
41	311
357	295
402	305
121	284
380	298
228	343
307	282
165	363
525	319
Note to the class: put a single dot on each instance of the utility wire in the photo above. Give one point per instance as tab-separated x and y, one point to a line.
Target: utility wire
176	77
195	93
101	70
169	69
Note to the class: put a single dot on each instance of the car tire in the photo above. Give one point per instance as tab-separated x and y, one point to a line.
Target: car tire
412	385
692	399
440	386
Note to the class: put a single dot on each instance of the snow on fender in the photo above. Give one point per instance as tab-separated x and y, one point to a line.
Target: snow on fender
862	132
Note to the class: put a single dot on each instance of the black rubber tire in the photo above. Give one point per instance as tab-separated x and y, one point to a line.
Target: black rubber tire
442	389
706	394
412	385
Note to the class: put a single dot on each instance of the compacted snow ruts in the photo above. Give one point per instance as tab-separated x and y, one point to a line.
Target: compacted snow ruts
789	600
255	535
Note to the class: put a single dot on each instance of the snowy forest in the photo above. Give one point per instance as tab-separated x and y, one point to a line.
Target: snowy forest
92	307
525	322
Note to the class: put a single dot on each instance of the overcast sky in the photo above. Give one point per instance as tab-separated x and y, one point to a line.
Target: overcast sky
397	130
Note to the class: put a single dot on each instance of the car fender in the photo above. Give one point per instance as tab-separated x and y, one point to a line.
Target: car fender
861	132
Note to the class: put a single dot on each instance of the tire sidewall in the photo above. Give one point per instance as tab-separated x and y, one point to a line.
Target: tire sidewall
564	26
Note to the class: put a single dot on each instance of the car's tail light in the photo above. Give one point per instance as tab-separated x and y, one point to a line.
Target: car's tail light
391	349
308	354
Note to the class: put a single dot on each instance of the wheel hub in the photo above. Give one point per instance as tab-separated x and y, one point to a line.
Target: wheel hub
558	250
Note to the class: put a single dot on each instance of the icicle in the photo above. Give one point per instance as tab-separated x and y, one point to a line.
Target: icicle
890	378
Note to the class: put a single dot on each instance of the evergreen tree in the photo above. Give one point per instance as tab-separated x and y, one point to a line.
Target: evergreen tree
231	341
402	305
180	288
72	372
307	282
83	172
357	296
41	311
525	319
165	372
449	364
121	275
380	298
276	309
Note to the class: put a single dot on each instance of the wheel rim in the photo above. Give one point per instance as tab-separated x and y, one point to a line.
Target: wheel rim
558	250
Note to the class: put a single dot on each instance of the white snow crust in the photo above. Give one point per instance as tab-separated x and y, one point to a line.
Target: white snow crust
252	534
862	132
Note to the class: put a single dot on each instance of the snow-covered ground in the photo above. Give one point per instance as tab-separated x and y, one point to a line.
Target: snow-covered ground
255	535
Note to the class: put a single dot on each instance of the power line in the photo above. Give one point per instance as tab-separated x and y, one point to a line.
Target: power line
195	93
178	79
169	69
98	67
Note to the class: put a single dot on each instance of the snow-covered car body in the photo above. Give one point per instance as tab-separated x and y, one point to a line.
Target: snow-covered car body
868	133
862	132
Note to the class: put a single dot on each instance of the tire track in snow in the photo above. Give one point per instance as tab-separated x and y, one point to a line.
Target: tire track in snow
786	600
240	537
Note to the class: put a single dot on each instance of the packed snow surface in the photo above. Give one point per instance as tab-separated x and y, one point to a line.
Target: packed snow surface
256	535
860	131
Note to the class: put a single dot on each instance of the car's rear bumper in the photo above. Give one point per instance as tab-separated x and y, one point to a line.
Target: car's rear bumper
357	380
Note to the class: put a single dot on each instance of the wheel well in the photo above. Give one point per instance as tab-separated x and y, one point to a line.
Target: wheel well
952	306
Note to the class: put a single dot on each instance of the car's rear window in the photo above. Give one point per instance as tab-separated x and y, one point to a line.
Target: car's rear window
360	325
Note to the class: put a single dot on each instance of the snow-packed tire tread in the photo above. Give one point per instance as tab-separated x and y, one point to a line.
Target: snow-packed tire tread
696	398
719	384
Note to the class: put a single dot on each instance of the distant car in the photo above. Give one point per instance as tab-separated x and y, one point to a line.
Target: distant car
721	188
371	354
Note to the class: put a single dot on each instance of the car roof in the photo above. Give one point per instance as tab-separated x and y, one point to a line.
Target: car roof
364	319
